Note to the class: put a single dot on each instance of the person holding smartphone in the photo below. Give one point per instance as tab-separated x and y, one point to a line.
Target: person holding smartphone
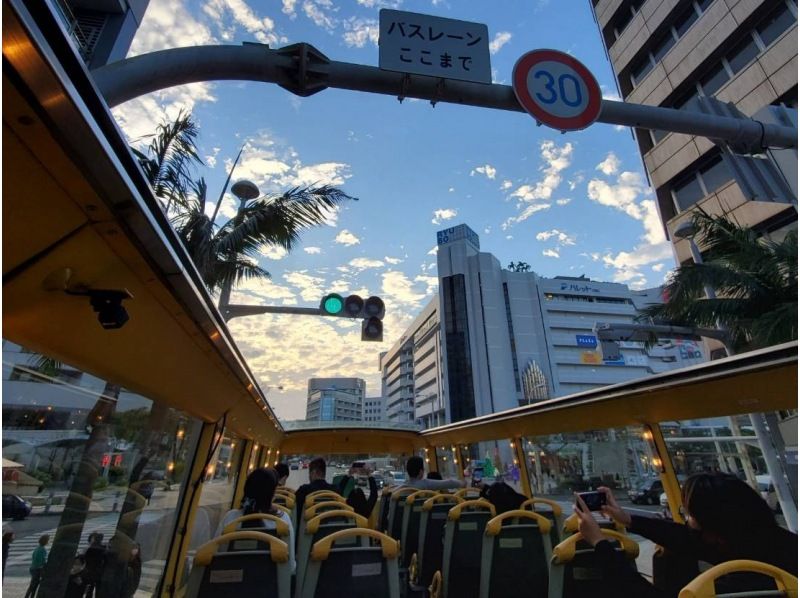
415	470
354	495
726	520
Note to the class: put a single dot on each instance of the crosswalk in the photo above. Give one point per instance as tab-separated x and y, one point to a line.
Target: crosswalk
19	557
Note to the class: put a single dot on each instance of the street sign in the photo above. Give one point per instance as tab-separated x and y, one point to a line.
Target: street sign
586	340
557	90
425	45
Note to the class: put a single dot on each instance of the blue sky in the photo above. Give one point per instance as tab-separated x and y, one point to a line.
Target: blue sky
571	204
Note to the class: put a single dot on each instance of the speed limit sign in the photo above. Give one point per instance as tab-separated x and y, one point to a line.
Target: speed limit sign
557	90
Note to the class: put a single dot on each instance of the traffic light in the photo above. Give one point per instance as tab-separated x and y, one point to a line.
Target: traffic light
371	311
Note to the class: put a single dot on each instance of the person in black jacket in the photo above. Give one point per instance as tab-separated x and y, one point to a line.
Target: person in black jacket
316	476
355	497
726	520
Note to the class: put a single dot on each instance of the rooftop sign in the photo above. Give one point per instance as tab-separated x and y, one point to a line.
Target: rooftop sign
426	45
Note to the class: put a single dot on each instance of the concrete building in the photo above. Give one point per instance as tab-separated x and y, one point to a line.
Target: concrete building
335	399
411	372
374	409
677	53
511	338
102	30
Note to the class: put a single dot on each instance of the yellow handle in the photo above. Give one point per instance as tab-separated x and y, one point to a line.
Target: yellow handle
280	525
418	495
328	495
495	524
332	505
402	493
462	493
312	525
454	514
428	504
565	552
435	589
279	551
389	546
702	586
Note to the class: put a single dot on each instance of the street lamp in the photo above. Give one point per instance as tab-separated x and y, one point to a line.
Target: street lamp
687	230
244	191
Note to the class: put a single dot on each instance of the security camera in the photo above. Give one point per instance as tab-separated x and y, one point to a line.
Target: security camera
108	304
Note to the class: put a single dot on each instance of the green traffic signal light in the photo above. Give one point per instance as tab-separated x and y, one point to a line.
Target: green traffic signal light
332	304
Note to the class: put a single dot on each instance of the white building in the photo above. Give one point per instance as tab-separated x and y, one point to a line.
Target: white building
374	409
411	372
335	399
509	338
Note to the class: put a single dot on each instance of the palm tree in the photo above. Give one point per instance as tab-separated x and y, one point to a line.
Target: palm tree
755	280
226	254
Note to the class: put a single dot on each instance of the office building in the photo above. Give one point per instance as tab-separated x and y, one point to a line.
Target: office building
512	338
101	30
679	53
411	372
335	399
374	409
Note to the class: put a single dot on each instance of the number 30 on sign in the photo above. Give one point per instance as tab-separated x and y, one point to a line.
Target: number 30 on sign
557	90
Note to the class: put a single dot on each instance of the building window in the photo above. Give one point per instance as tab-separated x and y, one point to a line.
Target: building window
511	337
779	20
702	181
456	337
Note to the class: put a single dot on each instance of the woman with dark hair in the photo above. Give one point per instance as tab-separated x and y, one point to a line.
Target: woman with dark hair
259	489
725	520
502	496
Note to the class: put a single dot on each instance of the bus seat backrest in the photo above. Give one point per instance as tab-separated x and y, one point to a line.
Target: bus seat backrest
515	556
463	542
255	522
430	547
409	533
741	578
235	574
361	571
575	571
550	509
394	523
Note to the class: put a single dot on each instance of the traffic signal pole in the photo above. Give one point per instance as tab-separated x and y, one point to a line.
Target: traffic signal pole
237	311
304	70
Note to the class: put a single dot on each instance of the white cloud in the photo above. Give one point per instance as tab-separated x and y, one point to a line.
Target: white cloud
501	38
561	237
392	260
488	170
360	31
575	181
317	11
273	252
657	267
555	160
262	28
525	214
211	159
564	201
506	185
431	283
345	237
363	263
434	250
551	252
169	25
312	250
451	190
610	165
289	8
399	288
380	3
443	214
311	287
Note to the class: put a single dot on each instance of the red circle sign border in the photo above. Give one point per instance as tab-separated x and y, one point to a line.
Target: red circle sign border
520	84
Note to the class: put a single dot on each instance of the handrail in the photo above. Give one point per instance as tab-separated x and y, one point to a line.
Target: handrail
281	527
278	550
702	586
389	546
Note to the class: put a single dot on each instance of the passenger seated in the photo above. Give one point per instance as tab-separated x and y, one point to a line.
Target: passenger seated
354	495
502	496
415	470
282	473
316	481
726	520
259	489
434	475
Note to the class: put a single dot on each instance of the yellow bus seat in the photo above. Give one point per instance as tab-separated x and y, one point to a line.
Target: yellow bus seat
574	570
550	509
217	574
468	493
322	496
394	520
430	548
463	542
318	527
256	522
360	571
409	529
703	586
515	556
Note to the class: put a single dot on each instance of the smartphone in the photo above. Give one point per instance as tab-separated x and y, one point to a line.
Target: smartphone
477	476
593	500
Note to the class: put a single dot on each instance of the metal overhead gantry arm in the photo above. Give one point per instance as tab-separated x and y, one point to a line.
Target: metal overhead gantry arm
304	70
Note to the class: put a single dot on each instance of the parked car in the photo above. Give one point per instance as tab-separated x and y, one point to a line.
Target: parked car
648	493
294	466
15	507
767	491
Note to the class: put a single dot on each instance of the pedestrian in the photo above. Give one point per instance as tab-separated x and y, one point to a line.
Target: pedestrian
95	557
76	583
38	561
8	538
